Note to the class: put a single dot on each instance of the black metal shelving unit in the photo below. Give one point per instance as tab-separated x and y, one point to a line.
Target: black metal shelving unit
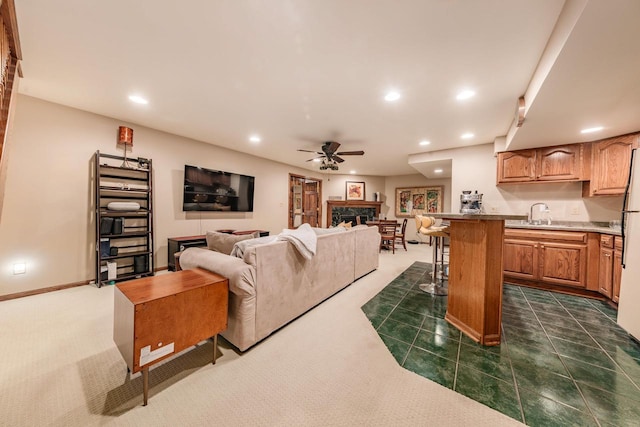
123	180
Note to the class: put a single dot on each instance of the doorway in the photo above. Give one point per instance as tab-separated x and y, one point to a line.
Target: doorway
305	201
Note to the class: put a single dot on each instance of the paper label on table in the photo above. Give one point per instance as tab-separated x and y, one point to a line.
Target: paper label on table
148	356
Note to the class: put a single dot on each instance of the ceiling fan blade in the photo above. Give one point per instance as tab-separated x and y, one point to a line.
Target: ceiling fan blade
351	153
337	159
315	158
310	151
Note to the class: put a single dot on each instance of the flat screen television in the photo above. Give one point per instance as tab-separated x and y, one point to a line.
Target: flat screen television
212	190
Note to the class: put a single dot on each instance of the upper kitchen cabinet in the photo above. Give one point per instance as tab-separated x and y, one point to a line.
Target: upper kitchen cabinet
610	166
562	163
549	164
516	166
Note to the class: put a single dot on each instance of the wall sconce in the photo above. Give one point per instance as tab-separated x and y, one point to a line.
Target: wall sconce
125	137
19	268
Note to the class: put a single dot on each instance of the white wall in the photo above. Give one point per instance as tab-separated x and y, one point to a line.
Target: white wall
474	168
47	220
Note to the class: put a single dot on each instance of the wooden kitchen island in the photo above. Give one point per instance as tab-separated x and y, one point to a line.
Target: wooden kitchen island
475	274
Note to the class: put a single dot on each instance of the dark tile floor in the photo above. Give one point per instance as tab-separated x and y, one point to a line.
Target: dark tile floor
563	360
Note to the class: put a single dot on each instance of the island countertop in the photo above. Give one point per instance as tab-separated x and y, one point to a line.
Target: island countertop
481	216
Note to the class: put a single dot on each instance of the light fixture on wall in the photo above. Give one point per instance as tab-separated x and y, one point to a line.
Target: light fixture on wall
125	137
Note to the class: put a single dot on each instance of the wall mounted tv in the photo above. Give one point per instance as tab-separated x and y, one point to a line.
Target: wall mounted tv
211	190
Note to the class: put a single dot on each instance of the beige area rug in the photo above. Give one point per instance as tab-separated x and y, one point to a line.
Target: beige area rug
59	366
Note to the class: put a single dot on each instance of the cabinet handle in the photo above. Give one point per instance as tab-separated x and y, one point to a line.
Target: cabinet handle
541	246
607	255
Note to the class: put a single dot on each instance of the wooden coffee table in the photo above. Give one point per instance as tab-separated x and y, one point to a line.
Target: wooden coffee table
158	316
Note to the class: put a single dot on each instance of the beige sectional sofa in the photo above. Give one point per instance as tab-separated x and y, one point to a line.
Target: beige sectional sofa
273	283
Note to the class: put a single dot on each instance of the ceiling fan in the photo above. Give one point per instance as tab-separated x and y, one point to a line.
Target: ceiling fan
330	155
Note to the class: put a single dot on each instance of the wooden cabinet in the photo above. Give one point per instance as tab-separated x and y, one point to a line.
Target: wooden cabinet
563	163
563	263
521	259
516	166
550	164
605	275
610	266
156	317
617	269
555	258
610	166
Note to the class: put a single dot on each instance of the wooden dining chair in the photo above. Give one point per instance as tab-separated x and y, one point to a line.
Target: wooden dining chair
387	235
400	237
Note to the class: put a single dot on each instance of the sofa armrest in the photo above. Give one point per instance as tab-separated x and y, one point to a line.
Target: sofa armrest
240	274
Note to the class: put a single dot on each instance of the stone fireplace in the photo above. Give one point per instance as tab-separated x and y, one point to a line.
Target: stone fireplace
339	210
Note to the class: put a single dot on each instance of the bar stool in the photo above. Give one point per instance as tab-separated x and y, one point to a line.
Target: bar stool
425	225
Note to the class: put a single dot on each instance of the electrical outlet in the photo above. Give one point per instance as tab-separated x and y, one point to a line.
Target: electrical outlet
493	209
574	211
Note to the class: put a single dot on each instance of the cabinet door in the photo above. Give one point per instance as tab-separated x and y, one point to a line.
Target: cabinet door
520	259
562	163
611	160
517	166
563	264
605	273
617	269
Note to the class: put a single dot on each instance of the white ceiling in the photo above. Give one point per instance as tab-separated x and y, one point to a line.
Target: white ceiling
302	72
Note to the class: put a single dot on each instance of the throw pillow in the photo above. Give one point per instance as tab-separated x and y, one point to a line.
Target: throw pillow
223	242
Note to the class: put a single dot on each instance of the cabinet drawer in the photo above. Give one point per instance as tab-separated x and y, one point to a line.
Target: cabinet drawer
565	236
606	241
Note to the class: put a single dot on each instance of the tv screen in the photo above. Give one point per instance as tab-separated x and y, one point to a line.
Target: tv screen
211	190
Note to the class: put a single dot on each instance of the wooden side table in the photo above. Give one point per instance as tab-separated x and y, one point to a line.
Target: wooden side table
158	316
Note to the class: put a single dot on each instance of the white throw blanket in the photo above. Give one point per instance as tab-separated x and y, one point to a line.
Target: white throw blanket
303	238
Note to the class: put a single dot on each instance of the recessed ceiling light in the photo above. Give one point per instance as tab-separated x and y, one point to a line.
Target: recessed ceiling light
437	171
352	172
392	96
467	135
591	130
465	94
254	138
317	160
425	142
138	99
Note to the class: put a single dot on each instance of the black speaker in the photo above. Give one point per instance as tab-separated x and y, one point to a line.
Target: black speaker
118	224
140	264
106	224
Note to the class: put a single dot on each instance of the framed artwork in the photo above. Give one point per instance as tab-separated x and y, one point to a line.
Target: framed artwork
355	190
413	200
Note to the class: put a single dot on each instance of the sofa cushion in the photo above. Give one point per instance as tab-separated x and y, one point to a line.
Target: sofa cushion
223	242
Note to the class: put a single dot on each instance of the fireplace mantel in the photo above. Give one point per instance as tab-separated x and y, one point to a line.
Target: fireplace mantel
350	204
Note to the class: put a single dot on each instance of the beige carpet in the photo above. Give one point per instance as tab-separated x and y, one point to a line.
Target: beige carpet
59	366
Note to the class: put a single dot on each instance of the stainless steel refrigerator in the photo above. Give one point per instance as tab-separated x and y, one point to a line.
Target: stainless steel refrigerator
629	304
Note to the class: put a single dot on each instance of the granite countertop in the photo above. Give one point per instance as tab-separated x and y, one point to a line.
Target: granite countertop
481	216
593	227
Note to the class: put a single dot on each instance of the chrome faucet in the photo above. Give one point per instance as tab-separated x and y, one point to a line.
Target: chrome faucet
546	209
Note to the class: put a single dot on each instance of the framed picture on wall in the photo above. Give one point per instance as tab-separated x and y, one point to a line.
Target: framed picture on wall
355	190
418	200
